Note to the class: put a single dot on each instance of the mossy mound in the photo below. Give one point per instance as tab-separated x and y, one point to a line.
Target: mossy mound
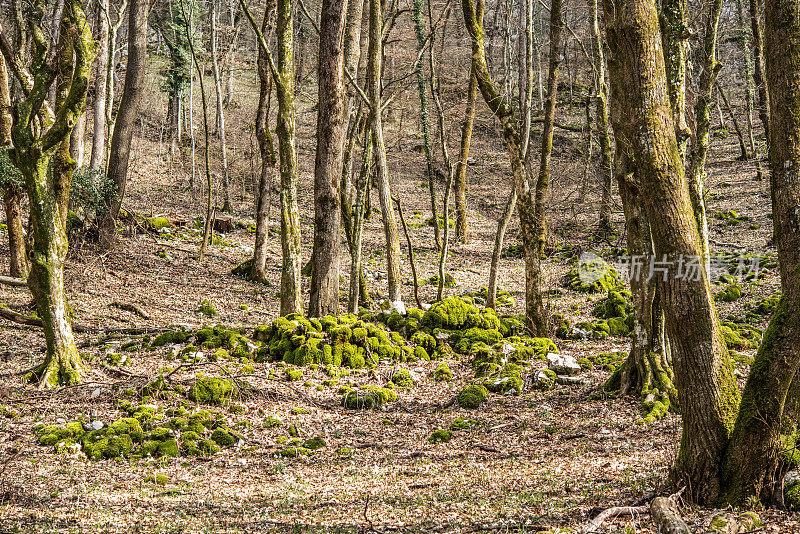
765	308
503	299
595	276
463	424
344	340
615	304
440	436
442	373
206	308
607	361
472	396
401	378
367	397
730	294
215	391
544	379
740	336
449	281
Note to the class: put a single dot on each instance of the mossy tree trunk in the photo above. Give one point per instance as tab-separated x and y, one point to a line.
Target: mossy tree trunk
424	119
524	183
460	181
331	130
702	111
48	187
647	371
707	390
674	38
226	182
771	395
601	111
282	72
12	192
374	70
268	159
103	18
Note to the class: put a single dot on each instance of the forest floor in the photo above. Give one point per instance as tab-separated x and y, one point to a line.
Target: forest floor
538	459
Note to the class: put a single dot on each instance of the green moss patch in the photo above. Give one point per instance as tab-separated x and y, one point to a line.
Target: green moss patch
472	397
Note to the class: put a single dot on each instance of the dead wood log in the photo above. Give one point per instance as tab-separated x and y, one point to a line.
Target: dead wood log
612	513
14	282
133	308
666	516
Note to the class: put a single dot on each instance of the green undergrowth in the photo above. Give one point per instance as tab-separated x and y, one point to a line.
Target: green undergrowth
147	431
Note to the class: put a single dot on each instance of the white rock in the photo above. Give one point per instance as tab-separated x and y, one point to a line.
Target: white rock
97	425
570	380
95	393
508	349
563	364
791	478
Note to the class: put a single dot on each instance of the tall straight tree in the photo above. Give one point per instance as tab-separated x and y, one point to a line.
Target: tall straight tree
120	151
374	76
331	129
283	75
528	190
707	389
223	144
103	23
267	149
41	152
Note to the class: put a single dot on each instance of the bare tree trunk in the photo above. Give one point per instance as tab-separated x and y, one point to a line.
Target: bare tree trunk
362	191
759	76
460	182
226	182
747	52
268	160
499	237
422	91
643	120
375	57
98	158
331	129
119	154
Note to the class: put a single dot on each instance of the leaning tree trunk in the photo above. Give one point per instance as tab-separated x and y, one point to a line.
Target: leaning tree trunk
375	58
258	272
707	390
48	188
120	151
532	229
772	394
331	130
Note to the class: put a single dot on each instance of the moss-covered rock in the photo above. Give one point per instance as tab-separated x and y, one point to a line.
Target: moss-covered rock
508	381
206	308
442	373
615	304
401	377
451	313
472	396
216	391
593	275
440	436
367	397
314	443
222	437
731	293
462	424
544	379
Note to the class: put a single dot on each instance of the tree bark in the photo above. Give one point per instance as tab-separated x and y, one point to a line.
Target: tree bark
532	229
226	182
268	160
98	158
771	395
374	70
674	36
331	130
460	182
120	151
601	112
759	76
48	191
707	389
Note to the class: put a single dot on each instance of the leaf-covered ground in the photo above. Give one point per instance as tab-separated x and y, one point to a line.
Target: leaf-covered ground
540	459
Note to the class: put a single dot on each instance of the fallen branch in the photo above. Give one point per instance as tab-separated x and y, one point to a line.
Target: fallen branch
612	513
133	308
14	282
18	318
